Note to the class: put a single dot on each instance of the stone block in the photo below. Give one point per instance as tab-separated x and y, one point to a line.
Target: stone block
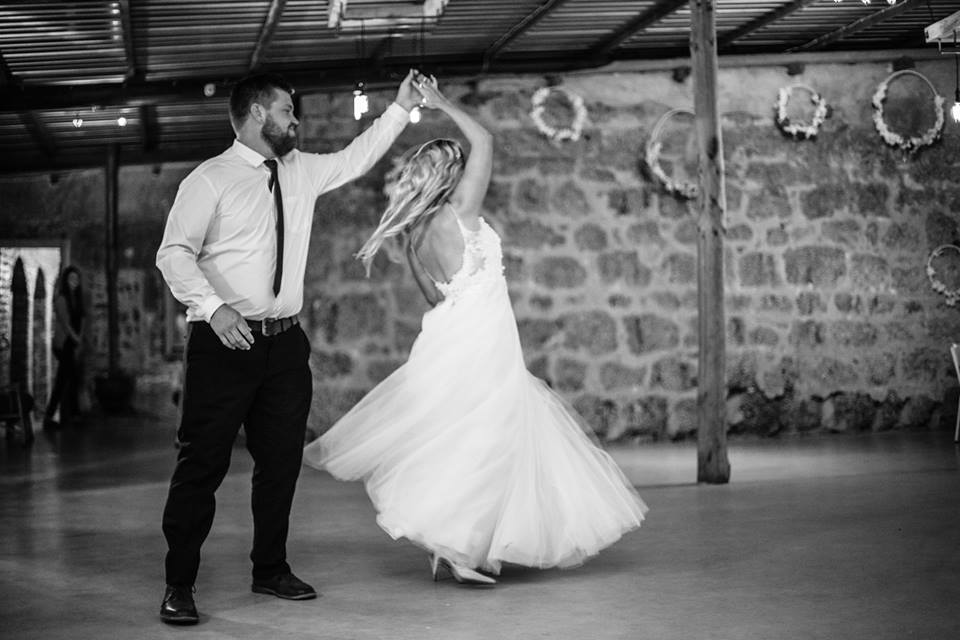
645	233
741	370
872	199
824	201
801	415
902	236
616	377
673	374
941	228
626	202
531	196
848	412
925	365
681	268
830	373
379	370
848	303
686	232
330	364
682	421
758	270
879	305
769	203
887	415
645	418
539	367
752	412
649	332
591	237
917	413
740	233
535	333
764	336
557	166
808	334
353	316
880	368
675	208
736	302
909	279
849	333
597	174
845	232
819	266
869	271
735	332
666	299
618	301
515	268
594	331
497	199
569	374
809	303
623	266
899	331
405	333
543	303
602	415
777	237
531	234
559	273
570	200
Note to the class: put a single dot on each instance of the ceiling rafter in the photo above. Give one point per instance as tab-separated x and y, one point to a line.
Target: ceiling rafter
762	21
39	133
644	20
517	30
126	26
856	26
274	14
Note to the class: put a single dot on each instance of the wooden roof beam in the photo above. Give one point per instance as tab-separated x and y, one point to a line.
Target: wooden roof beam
518	30
649	17
761	21
126	26
945	29
266	33
856	26
39	132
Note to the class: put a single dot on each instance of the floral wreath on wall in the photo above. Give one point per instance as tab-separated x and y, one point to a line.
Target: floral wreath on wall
800	131
571	132
687	190
952	295
914	143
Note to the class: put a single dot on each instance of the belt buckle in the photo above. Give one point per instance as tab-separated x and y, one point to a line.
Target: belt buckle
268	326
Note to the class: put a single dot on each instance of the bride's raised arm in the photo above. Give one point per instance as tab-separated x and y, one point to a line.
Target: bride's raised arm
467	197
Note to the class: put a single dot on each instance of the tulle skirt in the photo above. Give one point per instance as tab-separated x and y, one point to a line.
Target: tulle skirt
467	454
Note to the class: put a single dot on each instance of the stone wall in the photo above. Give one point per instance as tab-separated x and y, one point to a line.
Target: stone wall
831	322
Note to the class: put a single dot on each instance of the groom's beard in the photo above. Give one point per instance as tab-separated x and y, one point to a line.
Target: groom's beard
280	141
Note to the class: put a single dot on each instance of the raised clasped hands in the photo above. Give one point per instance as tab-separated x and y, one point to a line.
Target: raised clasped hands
431	98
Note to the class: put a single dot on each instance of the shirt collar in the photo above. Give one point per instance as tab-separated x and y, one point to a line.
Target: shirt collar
249	155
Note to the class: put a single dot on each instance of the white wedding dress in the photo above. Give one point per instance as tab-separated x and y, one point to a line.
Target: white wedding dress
466	453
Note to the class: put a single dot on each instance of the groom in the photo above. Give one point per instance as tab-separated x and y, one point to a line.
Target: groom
234	251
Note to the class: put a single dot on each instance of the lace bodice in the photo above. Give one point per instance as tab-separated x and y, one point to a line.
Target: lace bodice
482	260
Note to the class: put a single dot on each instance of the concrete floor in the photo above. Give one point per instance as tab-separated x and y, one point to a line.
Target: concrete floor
829	537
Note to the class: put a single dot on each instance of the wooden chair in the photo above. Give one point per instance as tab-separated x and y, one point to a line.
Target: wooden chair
14	415
955	353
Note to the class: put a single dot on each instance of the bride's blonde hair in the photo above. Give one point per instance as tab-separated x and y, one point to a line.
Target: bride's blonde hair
424	184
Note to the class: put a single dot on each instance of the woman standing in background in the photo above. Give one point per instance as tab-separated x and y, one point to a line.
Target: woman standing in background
69	313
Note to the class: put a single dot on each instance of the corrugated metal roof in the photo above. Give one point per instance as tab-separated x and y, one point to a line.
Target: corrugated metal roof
148	60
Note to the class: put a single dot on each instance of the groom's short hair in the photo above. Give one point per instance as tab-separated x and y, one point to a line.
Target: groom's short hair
254	88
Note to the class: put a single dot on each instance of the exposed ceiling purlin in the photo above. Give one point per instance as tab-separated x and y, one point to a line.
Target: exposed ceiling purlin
266	33
148	127
94	159
39	133
7	79
649	17
865	22
126	26
518	30
760	22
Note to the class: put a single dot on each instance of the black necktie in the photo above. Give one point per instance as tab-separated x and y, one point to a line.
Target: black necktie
274	186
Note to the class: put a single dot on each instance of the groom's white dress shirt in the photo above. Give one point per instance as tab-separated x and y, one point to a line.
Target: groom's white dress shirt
219	244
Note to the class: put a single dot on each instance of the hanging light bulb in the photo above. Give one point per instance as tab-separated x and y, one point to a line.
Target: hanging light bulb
121	121
955	109
361	104
891	2
77	120
865	1
415	115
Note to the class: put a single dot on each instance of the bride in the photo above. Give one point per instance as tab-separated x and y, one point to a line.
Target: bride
463	451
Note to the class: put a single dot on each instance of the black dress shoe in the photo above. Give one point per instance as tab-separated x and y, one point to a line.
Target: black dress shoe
285	585
178	606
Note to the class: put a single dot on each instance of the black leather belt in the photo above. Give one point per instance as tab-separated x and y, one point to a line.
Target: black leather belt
272	326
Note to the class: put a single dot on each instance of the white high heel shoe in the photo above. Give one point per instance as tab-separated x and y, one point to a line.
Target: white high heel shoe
461	574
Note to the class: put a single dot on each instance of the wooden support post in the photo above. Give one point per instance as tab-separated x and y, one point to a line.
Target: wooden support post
712	463
110	256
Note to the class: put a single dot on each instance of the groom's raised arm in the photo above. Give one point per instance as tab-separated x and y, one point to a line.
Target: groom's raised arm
330	170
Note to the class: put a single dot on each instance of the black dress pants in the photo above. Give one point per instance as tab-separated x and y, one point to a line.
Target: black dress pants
267	390
65	384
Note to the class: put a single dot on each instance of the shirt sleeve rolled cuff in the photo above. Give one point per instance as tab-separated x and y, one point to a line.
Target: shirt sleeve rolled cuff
209	306
397	113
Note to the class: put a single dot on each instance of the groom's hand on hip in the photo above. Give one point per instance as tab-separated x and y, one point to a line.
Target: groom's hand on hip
231	328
